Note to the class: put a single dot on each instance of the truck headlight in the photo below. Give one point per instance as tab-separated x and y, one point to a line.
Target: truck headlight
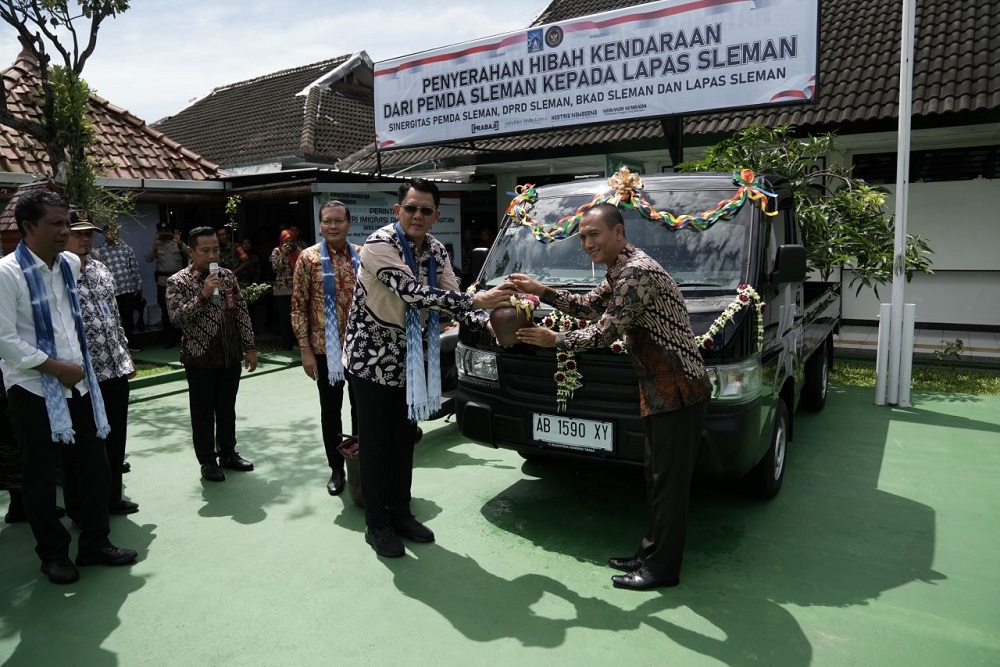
476	364
736	383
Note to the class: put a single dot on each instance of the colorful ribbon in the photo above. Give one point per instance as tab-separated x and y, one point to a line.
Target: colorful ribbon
626	192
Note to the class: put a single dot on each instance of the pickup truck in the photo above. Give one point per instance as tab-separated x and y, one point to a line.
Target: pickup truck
506	397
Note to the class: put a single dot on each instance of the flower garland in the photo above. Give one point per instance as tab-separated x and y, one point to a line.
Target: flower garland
526	303
745	296
567	376
568	379
626	192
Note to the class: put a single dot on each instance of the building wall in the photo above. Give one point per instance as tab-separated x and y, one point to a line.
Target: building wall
960	223
138	232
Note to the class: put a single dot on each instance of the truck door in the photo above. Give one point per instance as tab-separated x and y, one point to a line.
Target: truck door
786	306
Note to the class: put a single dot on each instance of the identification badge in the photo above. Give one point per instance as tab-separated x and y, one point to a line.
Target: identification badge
104	308
230	299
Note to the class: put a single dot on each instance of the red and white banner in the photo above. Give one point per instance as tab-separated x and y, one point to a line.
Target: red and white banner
655	59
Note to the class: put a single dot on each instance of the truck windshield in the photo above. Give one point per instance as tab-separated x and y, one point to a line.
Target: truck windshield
709	262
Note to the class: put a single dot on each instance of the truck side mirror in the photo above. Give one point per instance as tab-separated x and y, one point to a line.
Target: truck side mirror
789	265
476	263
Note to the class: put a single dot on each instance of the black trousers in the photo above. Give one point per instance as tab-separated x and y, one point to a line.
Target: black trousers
212	397
386	438
170	334
331	403
126	306
85	474
672	440
283	307
115	393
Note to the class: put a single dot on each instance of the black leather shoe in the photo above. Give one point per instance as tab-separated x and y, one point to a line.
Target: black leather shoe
126	467
385	542
626	564
336	484
235	462
60	571
641	580
412	530
123	507
16	514
212	472
109	555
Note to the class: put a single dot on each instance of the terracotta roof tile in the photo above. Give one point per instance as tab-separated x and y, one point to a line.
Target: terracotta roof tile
122	139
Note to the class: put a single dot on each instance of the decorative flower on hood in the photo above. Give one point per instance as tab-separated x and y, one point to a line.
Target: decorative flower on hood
626	185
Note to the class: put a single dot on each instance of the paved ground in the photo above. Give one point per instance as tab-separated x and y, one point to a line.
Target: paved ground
880	550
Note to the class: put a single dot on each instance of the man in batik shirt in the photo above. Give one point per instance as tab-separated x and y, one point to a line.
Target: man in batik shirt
309	326
640	300
217	336
108	347
402	266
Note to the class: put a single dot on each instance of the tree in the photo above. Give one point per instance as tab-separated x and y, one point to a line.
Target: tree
844	224
62	127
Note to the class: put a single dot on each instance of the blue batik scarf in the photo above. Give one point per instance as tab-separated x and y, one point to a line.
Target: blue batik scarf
334	363
55	400
423	393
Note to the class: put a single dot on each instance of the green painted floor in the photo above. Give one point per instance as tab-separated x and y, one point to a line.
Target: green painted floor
881	549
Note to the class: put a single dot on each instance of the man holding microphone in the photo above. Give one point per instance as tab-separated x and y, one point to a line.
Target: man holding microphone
206	303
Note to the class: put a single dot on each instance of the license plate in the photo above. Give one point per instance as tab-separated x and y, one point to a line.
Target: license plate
573	432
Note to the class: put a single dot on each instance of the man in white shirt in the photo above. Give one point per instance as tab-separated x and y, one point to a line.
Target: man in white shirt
36	414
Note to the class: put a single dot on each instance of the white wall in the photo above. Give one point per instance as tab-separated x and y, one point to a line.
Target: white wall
960	222
139	232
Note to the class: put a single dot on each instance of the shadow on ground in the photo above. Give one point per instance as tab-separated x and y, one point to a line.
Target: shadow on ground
55	622
831	538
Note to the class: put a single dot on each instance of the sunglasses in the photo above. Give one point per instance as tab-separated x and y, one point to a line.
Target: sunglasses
424	210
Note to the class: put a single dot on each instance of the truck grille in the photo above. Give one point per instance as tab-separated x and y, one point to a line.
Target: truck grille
606	379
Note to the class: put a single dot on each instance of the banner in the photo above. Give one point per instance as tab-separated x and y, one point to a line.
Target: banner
373	210
655	59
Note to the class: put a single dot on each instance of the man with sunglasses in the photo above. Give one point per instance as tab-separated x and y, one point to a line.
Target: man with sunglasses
404	281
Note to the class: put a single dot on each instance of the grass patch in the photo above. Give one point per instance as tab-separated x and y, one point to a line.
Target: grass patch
940	378
144	369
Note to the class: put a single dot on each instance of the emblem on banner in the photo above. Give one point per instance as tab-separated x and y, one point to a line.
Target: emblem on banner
534	40
553	37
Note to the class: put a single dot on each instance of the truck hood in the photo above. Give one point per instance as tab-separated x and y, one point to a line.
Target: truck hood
705	310
702	311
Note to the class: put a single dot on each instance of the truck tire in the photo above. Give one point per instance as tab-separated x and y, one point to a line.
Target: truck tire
817	380
764	481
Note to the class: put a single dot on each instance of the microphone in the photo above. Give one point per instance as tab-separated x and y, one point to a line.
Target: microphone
213	268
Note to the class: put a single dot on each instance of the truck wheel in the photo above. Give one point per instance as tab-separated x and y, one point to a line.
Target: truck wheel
766	477
817	381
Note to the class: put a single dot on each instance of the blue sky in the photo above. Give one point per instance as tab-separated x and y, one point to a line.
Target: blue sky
161	54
